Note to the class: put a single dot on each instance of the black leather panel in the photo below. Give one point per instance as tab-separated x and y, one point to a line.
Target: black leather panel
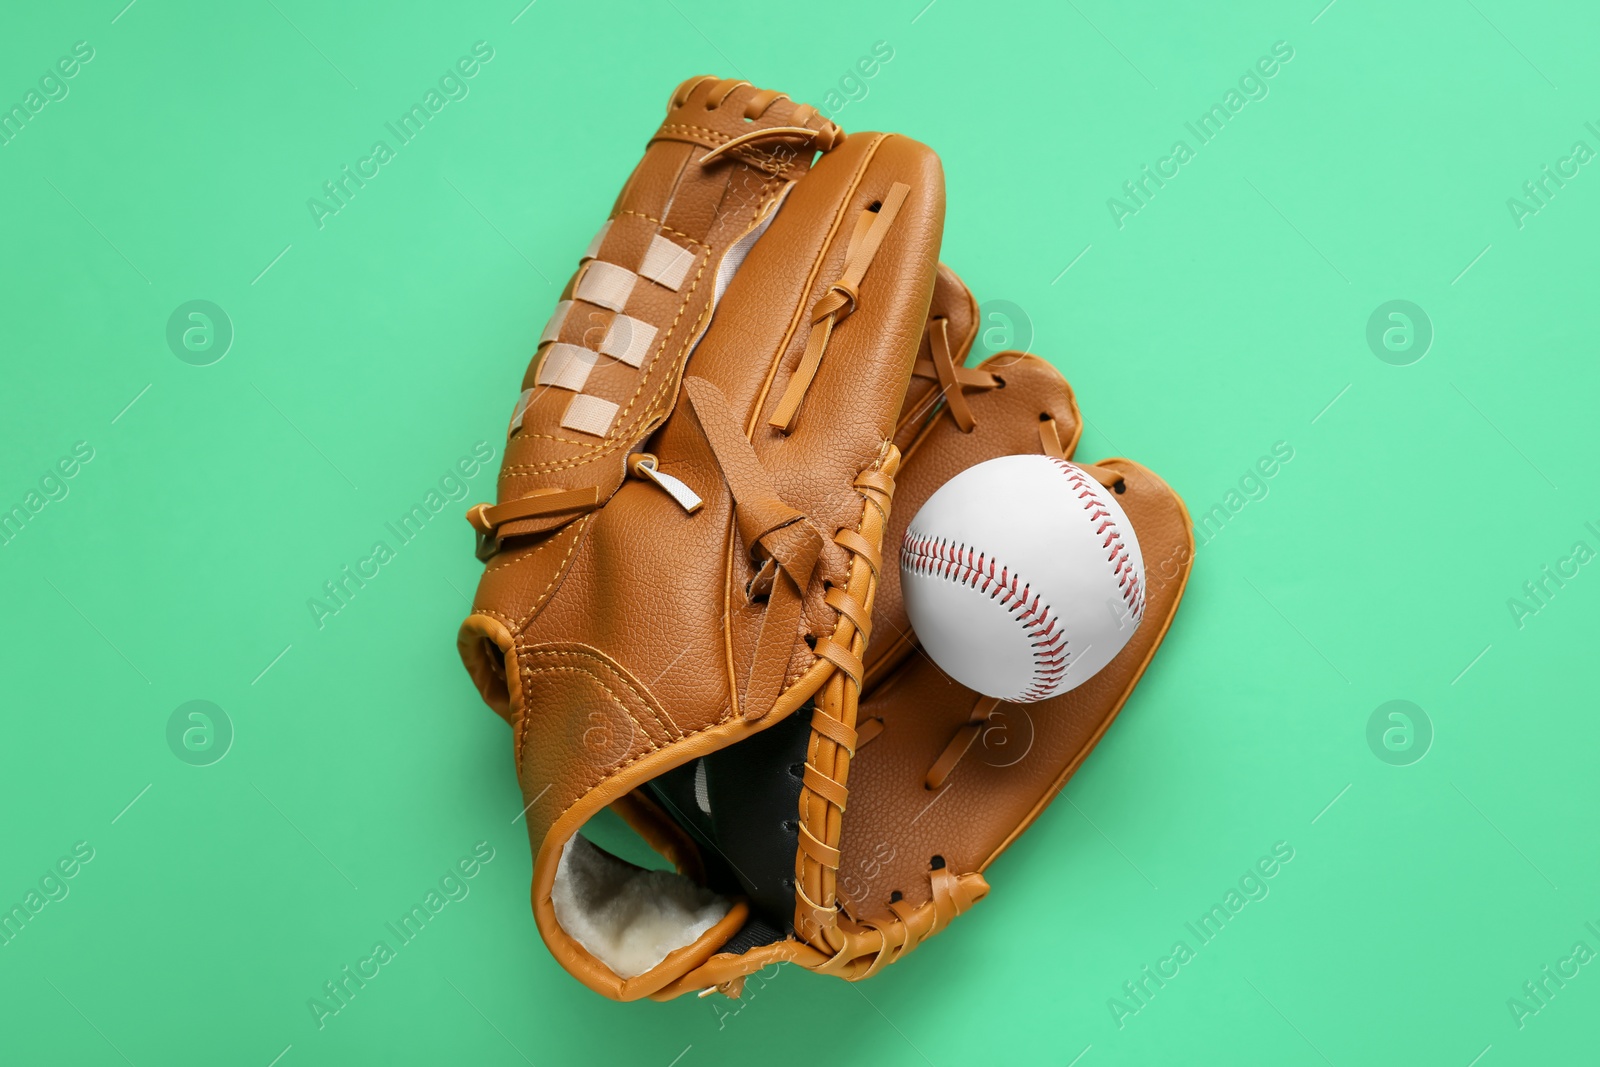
754	788
752	834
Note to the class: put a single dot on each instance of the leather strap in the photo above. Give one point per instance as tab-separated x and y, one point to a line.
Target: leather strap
819	140
825	787
805	129
841	601
909	927
1050	439
853	541
839	301
895	936
818	914
951	897
835	731
841	657
877	489
487	519
878	481
952	378
758	508
959	745
769	527
824	854
955	400
1104	475
967	377
868	730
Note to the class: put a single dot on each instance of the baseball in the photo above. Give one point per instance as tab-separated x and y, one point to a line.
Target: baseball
1022	577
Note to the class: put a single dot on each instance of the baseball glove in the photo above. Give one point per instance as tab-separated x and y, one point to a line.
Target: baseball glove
687	558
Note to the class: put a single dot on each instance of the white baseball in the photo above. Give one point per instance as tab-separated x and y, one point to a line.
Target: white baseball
1022	577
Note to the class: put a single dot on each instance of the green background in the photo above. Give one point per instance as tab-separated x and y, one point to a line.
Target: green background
1227	315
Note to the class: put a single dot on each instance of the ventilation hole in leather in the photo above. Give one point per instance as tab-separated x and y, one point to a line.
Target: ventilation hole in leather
759	598
937	863
875	205
791	826
896	897
788	883
1121	487
811	642
796	770
1044	416
999	382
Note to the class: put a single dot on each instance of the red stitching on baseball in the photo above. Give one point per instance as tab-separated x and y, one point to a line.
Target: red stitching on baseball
1116	549
967	566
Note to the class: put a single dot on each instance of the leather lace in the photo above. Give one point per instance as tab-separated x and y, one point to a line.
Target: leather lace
1050	442
487	519
829	136
939	773
835	741
785	542
839	301
953	379
907	927
817	140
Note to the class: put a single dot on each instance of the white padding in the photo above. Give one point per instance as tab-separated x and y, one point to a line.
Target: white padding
702	795
520	410
733	259
606	284
628	918
628	339
590	415
552	329
593	251
566	367
666	263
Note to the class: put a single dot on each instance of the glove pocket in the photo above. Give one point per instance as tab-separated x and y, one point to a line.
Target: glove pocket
946	779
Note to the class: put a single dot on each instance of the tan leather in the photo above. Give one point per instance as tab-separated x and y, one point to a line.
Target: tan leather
635	637
1029	393
943	776
952	302
779	438
914	724
700	210
1022	755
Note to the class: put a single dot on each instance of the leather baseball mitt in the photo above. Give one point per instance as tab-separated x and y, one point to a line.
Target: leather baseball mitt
944	778
687	558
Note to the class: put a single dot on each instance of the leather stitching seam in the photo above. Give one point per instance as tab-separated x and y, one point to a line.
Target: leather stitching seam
664	226
502	564
623	437
665	721
621	766
560	572
527	676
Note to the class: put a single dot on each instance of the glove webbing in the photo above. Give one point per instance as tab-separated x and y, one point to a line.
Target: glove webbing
880	942
833	743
